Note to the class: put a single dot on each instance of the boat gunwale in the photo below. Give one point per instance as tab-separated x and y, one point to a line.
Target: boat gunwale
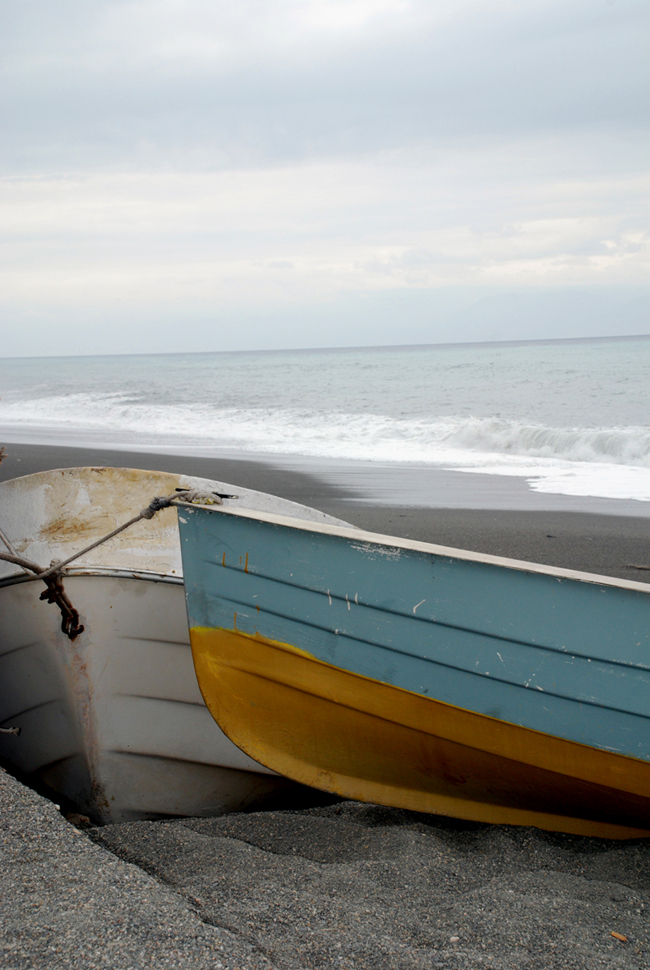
416	545
110	571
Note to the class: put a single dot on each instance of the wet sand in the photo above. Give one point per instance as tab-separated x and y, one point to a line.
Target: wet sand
340	886
608	544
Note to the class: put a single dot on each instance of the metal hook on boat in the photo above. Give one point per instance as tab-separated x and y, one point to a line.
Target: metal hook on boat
55	593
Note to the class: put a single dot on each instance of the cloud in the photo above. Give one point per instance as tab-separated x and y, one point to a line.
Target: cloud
204	85
218	239
187	160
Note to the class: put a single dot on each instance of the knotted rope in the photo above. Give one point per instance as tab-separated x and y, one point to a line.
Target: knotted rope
52	576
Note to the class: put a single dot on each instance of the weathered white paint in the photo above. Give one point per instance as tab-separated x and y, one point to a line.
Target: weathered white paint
53	514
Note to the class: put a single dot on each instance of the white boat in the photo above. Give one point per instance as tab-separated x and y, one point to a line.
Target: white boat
114	721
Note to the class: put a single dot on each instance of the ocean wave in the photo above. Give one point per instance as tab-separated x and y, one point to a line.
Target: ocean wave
325	434
627	446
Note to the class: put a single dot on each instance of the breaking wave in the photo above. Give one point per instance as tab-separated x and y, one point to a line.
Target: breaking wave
200	428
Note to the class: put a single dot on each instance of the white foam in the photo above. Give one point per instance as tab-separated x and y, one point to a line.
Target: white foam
608	462
600	479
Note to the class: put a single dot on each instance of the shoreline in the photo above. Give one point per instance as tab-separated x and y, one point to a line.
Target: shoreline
608	539
385	483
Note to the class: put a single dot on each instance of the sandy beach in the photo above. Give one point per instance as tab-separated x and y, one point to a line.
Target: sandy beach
344	885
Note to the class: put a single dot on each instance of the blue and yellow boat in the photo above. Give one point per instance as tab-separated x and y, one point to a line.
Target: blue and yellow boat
422	677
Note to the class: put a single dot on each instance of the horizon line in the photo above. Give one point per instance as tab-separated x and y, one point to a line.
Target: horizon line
342	349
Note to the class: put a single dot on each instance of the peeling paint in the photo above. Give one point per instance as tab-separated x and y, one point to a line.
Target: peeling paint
388	552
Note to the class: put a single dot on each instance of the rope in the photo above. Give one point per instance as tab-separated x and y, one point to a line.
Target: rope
55	593
7	543
155	505
23	563
51	576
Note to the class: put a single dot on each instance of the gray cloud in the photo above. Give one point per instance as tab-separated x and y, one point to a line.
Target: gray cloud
307	172
205	85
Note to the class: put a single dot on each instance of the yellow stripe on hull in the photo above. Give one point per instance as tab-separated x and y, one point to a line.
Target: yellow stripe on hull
370	741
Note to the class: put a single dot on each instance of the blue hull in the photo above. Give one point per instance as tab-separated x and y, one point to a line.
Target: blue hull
561	654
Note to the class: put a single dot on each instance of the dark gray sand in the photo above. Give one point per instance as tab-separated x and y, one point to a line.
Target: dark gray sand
344	886
298	487
362	886
612	545
68	903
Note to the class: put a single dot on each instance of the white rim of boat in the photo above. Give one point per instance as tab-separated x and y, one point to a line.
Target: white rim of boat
116	573
359	536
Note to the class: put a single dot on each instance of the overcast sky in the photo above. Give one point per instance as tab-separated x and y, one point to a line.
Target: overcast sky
241	174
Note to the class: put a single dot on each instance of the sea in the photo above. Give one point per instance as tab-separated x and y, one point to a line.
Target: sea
566	417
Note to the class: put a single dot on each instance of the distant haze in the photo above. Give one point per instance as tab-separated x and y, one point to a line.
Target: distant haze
250	174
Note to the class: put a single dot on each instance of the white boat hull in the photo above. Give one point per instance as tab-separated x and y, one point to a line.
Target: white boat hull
113	721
